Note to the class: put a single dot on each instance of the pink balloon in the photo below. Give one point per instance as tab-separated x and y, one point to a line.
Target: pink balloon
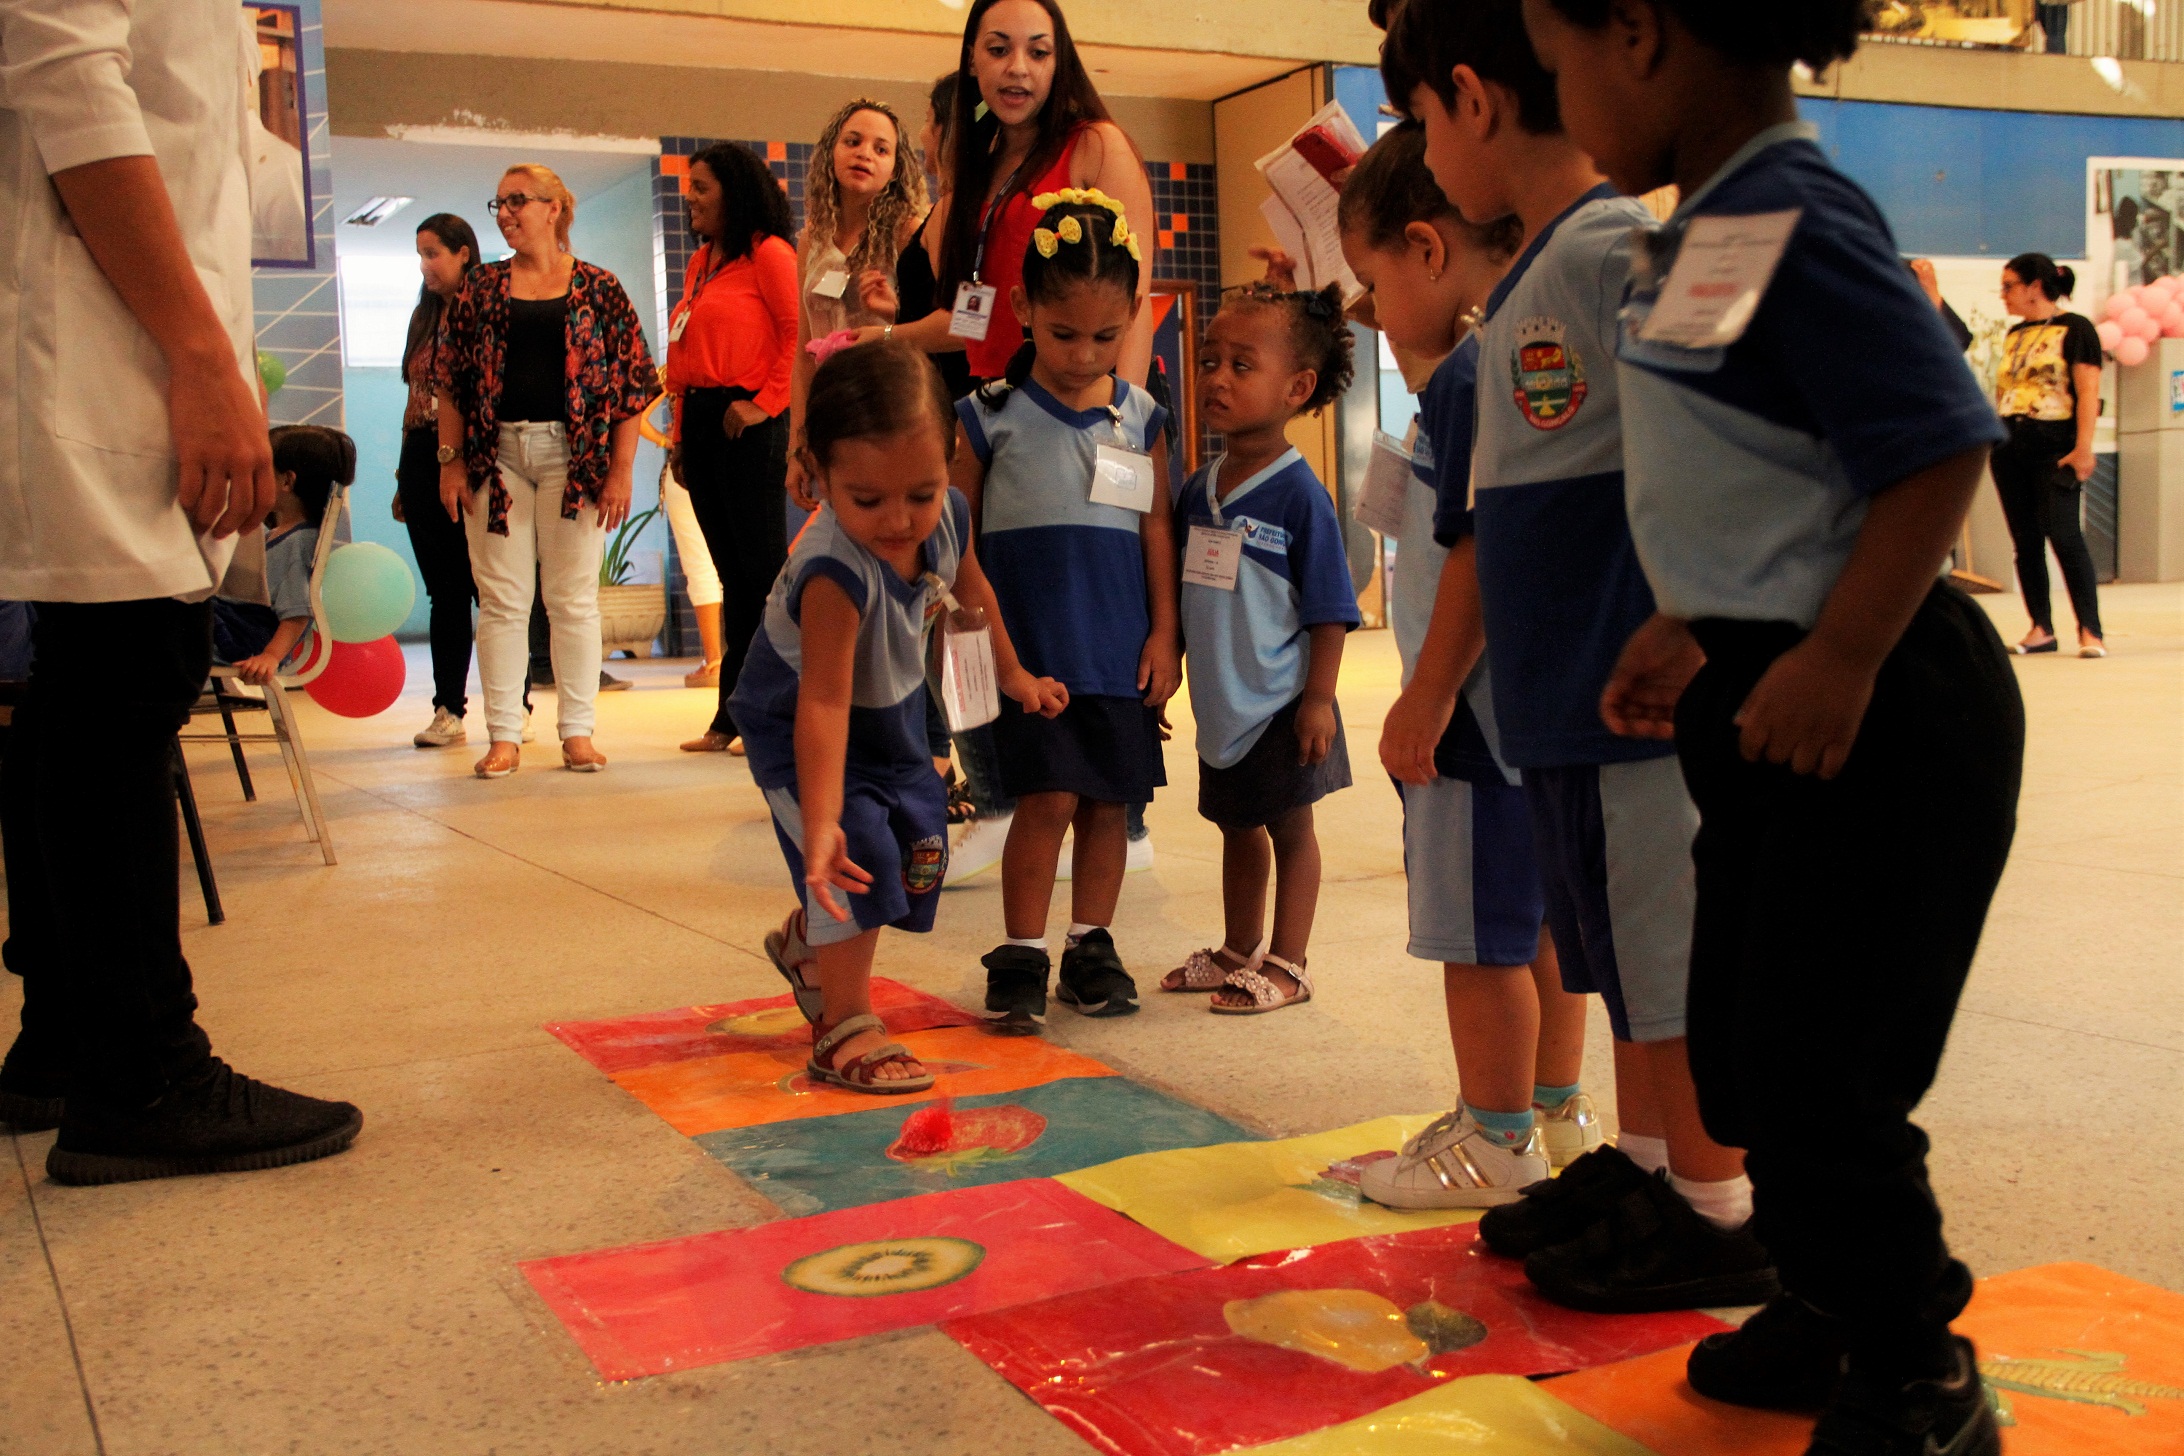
2166	287
2119	304
2140	324
2132	351
2172	323
2111	334
362	679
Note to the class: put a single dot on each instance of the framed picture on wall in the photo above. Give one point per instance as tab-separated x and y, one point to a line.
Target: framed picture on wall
280	163
1175	347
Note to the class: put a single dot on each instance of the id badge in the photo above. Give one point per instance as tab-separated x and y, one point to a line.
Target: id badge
1387	486
1123	478
1212	557
973	312
676	325
831	283
970	685
1720	275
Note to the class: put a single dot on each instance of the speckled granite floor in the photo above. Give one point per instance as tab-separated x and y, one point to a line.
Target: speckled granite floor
370	1303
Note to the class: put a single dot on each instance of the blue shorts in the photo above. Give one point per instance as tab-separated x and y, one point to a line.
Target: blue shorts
1475	896
1614	844
898	834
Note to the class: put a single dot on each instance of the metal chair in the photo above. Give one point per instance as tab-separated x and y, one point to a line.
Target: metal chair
281	717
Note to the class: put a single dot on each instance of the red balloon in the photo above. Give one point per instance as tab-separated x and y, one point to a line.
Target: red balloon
362	679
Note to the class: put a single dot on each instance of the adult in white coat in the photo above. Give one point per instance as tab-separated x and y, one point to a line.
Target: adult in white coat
135	448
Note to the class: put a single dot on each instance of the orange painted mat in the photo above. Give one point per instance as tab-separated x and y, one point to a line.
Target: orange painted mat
2082	1362
770	1023
748	1089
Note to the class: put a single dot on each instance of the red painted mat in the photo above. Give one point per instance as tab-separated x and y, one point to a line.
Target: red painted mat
1282	1344
770	1023
726	1296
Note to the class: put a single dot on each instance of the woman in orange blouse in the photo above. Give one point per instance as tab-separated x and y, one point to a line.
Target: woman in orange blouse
731	350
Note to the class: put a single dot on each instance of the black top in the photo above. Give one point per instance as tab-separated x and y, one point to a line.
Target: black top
2036	387
534	376
917	291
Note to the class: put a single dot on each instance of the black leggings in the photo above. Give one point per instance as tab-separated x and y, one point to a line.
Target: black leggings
2040	497
736	490
443	559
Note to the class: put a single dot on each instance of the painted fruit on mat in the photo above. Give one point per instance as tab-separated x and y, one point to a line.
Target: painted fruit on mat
1352	1327
884	1266
774	1021
973	1135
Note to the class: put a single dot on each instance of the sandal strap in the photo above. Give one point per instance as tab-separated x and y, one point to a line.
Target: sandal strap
842	1032
1296	969
1201	972
1257	987
863	1070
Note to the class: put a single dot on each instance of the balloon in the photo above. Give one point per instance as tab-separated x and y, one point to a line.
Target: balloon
361	678
2139	324
2165	287
2172	321
2111	334
367	591
272	373
2119	304
2132	351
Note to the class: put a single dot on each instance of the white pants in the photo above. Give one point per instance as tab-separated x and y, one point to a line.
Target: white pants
542	547
699	577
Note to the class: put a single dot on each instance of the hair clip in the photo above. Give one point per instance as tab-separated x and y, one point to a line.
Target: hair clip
1078	196
1070	230
980	112
1045	241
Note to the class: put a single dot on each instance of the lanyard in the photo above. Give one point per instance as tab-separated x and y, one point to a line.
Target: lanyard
1213	501
986	219
710	254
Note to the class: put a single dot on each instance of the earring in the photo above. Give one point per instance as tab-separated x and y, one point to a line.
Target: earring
1433	275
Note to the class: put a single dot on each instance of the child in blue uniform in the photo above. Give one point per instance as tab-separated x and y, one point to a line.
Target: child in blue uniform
1475	898
831	700
1854	738
1067	475
308	462
1662	1221
1266	601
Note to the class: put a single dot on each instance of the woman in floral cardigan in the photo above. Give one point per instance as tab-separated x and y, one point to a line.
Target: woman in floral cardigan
543	373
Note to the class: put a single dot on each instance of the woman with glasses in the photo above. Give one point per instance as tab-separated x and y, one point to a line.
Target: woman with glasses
543	373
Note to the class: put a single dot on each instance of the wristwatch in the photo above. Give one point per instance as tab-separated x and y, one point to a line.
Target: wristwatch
447	454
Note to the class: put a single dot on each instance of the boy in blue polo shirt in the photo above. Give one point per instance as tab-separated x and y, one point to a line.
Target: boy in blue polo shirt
1854	738
1661	1222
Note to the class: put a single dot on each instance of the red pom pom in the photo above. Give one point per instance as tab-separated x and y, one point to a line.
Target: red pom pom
927	1130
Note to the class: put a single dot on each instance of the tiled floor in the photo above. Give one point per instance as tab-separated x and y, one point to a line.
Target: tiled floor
371	1303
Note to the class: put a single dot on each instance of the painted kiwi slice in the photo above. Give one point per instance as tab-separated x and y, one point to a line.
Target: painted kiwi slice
884	1266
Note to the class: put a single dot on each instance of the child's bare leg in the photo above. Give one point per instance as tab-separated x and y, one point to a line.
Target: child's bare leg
1691	1153
1493	1023
1296	899
1561	1058
845	975
1247	859
1096	866
1636	1115
1028	860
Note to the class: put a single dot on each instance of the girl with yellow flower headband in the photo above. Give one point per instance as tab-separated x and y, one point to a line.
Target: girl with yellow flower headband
1067	474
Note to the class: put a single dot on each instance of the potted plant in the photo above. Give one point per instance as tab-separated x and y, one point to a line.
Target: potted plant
630	616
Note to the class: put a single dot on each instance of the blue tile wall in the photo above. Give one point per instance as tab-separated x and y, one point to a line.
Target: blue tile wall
298	309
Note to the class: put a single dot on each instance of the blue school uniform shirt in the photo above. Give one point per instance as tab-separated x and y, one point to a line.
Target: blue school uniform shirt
1069	574
1448	410
1246	648
1751	465
887	692
1558	574
288	557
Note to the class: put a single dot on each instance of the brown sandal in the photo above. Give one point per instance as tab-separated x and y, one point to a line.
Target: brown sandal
857	1075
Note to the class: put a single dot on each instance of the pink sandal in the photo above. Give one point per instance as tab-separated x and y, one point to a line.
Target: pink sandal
1201	972
1265	996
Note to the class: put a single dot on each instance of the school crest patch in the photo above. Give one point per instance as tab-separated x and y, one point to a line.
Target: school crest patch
925	864
1549	376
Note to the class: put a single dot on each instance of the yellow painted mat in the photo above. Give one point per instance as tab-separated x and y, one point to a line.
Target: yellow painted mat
1479	1415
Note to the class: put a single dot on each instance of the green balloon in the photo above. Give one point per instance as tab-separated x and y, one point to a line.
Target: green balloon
367	591
272	373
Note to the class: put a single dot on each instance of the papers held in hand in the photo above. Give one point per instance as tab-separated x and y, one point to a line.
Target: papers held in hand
1303	207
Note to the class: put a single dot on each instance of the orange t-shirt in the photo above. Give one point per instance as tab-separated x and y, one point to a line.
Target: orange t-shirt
735	328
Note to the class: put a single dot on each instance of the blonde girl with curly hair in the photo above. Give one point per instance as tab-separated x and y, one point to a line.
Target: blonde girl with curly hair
863	202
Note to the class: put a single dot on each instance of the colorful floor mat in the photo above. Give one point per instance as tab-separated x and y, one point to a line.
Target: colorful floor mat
780	1286
819	1163
770	1023
2081	1362
1240	1199
1480	1415
1286	1343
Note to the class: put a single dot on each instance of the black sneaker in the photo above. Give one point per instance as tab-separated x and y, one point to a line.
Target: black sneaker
218	1121
1556	1210
609	683
1093	980
1653	1252
1016	987
30	1095
1879	1416
1787	1357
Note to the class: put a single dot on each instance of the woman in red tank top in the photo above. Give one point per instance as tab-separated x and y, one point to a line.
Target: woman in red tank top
1029	121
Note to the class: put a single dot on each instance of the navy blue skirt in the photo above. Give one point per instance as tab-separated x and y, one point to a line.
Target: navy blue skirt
1099	748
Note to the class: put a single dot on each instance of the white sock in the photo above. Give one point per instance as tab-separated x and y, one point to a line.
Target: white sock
1078	931
1726	1205
1649	1153
1030	942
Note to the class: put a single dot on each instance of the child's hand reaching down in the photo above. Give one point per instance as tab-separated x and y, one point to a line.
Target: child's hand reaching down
1159	670
259	670
1041	695
1657	664
1315	730
1806	710
828	867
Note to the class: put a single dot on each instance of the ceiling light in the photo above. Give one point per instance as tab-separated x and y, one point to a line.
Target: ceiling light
376	211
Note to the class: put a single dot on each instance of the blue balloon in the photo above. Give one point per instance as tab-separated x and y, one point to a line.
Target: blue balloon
367	592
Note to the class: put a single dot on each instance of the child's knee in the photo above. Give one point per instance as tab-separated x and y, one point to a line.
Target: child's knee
1293	831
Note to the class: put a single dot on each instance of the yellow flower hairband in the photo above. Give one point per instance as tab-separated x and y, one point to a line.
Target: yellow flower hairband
1048	241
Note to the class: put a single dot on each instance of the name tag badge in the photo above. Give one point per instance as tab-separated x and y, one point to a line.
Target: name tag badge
1123	478
1720	275
676	325
1387	487
1212	557
831	283
970	684
973	312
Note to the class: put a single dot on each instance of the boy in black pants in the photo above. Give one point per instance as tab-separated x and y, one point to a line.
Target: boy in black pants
1854	737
